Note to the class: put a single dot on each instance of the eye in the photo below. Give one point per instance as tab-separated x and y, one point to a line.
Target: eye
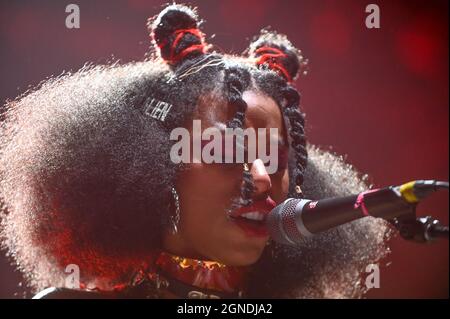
228	160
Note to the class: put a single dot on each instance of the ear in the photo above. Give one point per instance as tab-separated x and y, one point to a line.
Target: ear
275	52
176	35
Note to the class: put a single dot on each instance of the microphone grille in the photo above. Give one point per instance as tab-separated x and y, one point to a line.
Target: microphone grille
282	225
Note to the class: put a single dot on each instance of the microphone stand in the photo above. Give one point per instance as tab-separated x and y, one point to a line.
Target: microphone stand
420	229
413	228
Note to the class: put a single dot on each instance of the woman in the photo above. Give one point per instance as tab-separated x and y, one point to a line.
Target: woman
86	179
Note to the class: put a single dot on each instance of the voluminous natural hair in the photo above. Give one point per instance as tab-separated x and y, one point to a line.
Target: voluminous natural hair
86	176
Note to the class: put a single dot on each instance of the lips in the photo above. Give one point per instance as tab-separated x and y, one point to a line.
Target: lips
251	219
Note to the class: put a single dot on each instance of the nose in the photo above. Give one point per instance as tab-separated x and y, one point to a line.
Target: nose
260	177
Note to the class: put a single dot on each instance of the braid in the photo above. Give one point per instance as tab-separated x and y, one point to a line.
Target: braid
297	133
176	35
236	80
247	188
275	52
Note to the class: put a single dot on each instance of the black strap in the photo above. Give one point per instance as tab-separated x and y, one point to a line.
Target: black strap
183	290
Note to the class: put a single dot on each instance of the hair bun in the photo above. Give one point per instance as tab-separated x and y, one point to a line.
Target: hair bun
176	35
276	52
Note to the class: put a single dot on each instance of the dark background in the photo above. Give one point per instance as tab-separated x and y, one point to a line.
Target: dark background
379	96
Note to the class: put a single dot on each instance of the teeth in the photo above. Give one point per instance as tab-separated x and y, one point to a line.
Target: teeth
253	216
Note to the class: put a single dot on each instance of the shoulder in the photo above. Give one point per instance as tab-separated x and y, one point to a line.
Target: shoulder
66	293
142	291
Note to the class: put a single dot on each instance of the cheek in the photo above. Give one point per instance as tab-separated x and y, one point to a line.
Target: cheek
280	186
285	184
204	196
208	184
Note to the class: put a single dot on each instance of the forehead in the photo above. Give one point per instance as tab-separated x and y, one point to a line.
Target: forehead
262	111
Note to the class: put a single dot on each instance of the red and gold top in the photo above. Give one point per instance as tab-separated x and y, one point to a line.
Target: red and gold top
210	275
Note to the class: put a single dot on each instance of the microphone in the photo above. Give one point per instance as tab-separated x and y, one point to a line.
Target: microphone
295	219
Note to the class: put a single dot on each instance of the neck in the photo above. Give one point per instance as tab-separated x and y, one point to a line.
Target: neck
195	278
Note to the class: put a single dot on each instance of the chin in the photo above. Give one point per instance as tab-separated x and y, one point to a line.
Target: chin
241	258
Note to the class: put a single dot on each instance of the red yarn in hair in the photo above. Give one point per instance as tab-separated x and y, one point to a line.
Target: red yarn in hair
174	58
271	56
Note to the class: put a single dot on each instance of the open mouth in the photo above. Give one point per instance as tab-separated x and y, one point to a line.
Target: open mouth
255	216
252	219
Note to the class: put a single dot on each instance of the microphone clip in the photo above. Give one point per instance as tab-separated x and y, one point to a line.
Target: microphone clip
420	229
